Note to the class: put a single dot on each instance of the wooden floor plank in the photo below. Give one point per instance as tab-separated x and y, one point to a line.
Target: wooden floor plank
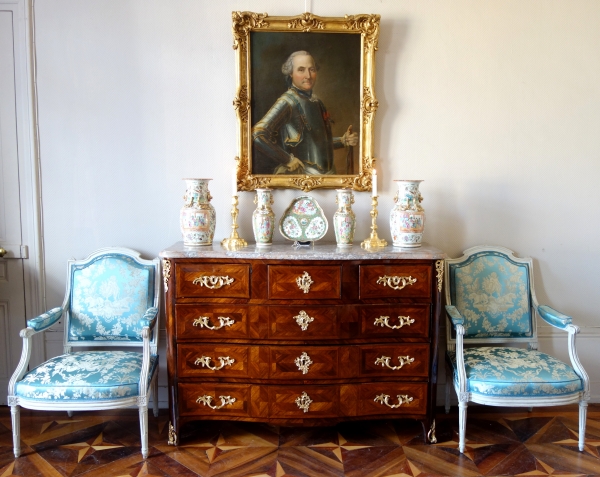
507	442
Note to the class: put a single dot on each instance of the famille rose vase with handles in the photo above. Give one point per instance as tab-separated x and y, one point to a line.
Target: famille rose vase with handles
407	218
344	220
263	218
197	217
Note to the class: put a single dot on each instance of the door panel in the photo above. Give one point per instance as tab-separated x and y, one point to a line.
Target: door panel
12	292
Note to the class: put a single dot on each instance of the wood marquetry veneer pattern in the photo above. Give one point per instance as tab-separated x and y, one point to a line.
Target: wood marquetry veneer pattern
499	442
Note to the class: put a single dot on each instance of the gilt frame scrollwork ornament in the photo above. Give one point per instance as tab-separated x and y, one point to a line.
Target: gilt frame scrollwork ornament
354	170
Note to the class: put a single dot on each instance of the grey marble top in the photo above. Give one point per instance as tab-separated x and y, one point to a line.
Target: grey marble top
318	251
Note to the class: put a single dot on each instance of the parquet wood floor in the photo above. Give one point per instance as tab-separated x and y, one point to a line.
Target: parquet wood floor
500	442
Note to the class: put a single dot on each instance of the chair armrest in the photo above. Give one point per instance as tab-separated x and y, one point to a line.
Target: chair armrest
148	322
149	318
553	317
454	315
45	320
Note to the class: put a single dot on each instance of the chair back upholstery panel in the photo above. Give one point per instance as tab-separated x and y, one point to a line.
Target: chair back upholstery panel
492	293
109	296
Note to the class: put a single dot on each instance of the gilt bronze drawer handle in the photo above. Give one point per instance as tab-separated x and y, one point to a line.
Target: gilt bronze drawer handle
202	321
402	399
385	361
205	361
303	401
395	282
304	282
303	320
303	362
213	282
207	401
402	321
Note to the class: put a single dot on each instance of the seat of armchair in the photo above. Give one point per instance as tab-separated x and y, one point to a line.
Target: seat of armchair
517	372
88	375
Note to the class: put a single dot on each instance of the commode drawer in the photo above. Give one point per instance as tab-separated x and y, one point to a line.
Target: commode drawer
214	399
211	321
221	360
392	398
394	321
395	281
299	282
304	362
303	402
212	280
303	322
395	360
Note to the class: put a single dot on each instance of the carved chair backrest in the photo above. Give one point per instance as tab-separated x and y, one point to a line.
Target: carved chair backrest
493	291
108	294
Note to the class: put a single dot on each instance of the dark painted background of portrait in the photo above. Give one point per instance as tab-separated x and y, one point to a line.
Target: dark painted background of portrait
338	80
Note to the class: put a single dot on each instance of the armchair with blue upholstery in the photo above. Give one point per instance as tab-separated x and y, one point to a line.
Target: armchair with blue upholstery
112	300
491	303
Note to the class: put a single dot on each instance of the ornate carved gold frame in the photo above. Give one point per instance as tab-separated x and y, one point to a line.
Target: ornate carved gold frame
367	26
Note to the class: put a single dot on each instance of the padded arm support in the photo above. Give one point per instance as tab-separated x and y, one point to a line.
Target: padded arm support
149	318
553	317
45	320
454	315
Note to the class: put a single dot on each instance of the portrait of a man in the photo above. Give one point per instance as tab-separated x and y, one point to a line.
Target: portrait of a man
296	133
305	103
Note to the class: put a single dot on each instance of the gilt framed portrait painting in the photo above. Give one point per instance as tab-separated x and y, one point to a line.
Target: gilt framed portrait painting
305	100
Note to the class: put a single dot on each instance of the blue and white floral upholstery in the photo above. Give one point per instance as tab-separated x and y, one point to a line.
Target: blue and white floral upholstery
490	300
515	372
85	376
108	298
112	299
492	294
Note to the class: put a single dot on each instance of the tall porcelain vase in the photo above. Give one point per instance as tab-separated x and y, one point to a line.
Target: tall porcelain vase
344	220
407	218
263	218
197	217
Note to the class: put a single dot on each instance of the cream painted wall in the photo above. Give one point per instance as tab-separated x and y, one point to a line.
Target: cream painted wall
495	104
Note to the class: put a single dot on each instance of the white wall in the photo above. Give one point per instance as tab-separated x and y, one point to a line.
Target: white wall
495	104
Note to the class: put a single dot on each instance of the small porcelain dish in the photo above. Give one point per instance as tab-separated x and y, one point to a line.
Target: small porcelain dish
303	220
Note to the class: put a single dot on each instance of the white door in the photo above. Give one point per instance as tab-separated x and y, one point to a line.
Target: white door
12	288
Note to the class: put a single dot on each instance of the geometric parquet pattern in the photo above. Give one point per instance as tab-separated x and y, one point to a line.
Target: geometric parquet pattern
500	442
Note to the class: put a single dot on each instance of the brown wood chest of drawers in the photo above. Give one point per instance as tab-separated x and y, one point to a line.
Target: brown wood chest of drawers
302	336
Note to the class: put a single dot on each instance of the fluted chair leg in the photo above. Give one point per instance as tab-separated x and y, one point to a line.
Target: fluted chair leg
462	425
582	418
144	430
15	416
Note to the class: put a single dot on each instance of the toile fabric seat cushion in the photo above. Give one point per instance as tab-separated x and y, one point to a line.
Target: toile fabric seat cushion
515	372
90	376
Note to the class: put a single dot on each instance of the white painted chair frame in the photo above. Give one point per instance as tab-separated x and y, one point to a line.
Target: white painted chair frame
453	319
149	347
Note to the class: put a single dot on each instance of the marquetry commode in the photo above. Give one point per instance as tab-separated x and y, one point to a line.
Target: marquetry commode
302	336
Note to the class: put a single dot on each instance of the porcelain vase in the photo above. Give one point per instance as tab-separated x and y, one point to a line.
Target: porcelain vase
197	217
344	220
263	218
407	218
